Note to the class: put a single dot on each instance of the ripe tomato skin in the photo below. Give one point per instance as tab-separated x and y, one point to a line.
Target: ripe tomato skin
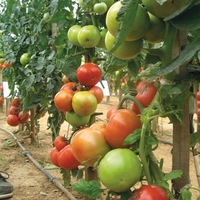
119	169
12	120
54	156
16	102
111	110
89	74
149	192
198	96
69	86
63	100
146	93
60	142
122	123
14	110
88	145
23	117
66	159
198	112
98	93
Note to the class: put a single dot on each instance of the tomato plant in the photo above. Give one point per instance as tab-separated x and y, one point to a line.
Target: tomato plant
66	159
149	192
119	170
122	123
89	74
88	145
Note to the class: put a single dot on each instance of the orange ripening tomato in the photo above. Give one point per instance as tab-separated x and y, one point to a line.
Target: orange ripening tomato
98	93
88	145
63	100
69	86
111	110
60	142
122	123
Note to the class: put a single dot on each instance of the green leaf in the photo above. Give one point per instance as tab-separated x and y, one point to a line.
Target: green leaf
194	139
133	137
90	189
186	195
66	176
174	174
186	55
188	20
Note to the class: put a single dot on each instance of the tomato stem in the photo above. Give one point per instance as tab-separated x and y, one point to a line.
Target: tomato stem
131	98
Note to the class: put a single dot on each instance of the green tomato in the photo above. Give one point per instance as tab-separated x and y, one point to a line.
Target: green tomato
156	31
24	59
72	34
127	50
75	120
101	43
166	9
100	8
138	26
84	103
119	170
89	36
46	16
108	2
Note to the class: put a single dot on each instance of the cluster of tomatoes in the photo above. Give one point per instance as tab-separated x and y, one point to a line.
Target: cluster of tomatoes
101	145
79	100
61	154
16	114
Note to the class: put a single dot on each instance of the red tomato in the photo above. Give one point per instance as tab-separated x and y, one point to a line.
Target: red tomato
66	159
60	142
146	93
16	102
98	93
198	112
69	86
122	123
198	104
63	100
149	192
54	156
1	100
23	117
14	110
111	110
12	120
198	96
89	74
1	87
88	145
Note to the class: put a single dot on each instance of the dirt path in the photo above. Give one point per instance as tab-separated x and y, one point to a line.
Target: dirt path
31	184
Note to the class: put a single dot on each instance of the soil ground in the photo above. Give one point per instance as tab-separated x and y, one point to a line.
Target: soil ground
31	184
